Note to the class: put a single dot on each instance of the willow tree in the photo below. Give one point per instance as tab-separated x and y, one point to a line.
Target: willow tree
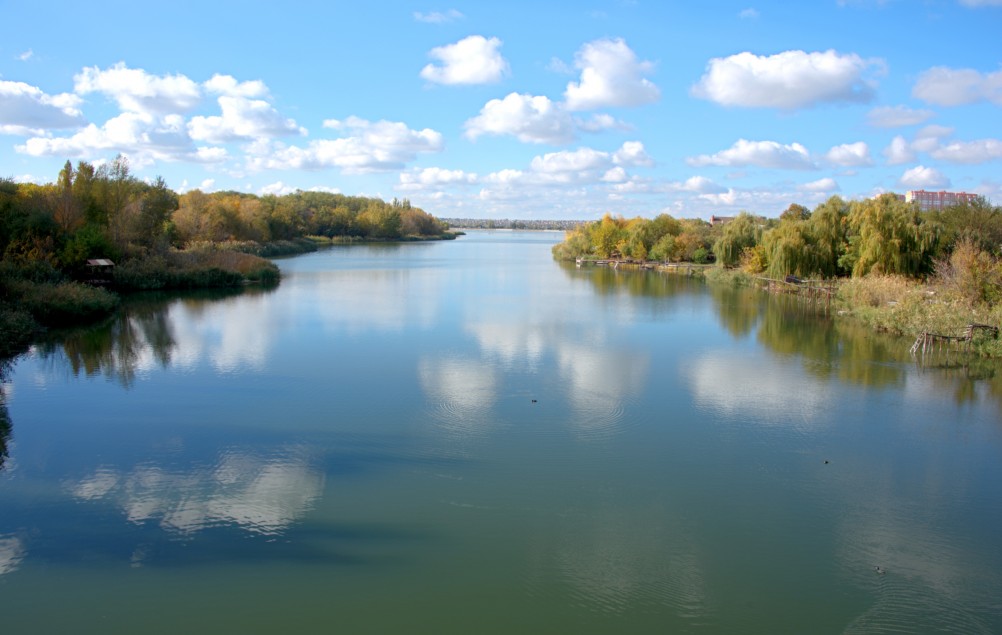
739	234
790	249
829	226
888	236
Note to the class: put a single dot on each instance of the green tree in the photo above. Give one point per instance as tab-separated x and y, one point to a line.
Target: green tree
744	232
888	236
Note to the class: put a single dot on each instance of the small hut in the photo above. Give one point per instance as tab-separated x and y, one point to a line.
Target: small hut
99	270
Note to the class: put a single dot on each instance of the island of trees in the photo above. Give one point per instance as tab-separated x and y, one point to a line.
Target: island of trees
104	225
898	268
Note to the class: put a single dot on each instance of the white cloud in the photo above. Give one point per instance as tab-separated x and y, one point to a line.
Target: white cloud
821	185
850	154
788	80
25	56
438	17
632	153
958	86
430	178
615	175
278	189
242	119
228	85
600	122
573	162
26	110
764	154
698	185
611	76
921	177
137	91
532	119
369	147
969	152
899	151
141	137
897	116
748	14
472	60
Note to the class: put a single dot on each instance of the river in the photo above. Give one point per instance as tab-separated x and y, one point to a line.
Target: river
469	437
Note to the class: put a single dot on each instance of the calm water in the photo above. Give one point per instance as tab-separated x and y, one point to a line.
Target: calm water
468	437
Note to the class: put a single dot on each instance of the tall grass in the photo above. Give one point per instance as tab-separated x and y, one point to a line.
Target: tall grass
193	269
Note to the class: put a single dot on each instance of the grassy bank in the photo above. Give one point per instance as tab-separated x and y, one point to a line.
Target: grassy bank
903	306
36	296
194	269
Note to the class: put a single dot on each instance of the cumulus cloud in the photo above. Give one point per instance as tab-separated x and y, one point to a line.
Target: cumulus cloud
921	177
788	80
698	185
242	119
897	116
472	60
26	110
141	137
600	122
932	140
632	153
850	155
428	178
969	152
611	75
531	119
438	17
135	90
278	189
945	86
821	185
763	154
899	151
228	85
367	147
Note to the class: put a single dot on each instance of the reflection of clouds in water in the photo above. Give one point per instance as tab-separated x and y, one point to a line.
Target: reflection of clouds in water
11	554
764	388
598	382
510	342
259	495
393	299
464	390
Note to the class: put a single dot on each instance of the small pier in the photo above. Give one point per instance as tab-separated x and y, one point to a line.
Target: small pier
937	342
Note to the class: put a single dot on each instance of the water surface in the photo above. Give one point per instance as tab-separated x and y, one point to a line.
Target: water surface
470	437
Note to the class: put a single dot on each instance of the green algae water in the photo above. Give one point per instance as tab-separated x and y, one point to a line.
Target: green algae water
468	437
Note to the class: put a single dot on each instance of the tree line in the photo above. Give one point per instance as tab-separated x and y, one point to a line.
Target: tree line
881	235
106	212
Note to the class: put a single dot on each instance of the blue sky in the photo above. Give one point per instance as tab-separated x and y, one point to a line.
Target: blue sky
517	109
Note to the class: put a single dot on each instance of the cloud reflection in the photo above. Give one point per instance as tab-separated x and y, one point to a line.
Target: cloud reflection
259	495
760	388
12	552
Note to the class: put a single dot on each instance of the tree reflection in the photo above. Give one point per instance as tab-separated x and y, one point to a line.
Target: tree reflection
738	308
631	280
139	333
6	426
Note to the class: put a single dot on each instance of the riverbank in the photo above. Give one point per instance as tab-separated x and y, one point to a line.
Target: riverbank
37	296
901	306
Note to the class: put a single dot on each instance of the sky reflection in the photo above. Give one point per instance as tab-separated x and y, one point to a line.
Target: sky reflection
259	494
